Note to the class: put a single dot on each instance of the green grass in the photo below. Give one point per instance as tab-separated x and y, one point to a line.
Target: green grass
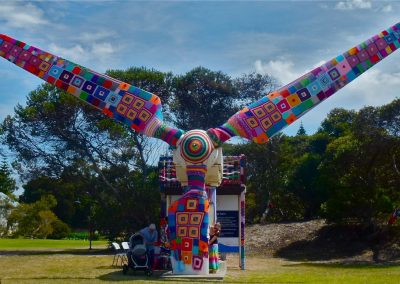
71	266
281	271
67	268
34	244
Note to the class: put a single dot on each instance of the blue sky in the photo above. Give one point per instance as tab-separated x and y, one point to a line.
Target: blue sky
282	38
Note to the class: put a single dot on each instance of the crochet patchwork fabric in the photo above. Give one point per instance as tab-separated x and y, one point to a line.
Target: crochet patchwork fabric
267	116
188	223
141	110
128	104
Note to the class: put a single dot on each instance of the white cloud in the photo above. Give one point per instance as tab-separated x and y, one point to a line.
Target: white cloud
19	15
353	4
101	34
375	87
283	70
387	8
280	69
97	56
102	49
75	53
324	5
79	53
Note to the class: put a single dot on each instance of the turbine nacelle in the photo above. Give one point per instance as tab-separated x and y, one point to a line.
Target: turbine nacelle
195	147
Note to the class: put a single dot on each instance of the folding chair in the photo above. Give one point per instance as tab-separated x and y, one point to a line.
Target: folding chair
119	254
125	246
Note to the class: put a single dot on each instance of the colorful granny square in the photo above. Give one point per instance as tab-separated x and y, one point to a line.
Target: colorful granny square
195	218
197	262
181	231
194	232
182	218
191	204
187	257
187	244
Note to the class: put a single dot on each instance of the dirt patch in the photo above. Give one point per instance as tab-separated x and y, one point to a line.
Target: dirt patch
267	239
317	241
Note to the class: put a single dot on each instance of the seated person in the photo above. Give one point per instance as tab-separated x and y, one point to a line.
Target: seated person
150	236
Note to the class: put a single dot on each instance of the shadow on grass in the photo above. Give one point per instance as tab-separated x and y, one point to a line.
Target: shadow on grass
105	267
345	242
137	275
119	276
46	278
350	265
57	251
115	276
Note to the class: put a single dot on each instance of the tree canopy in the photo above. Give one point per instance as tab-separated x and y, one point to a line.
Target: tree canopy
7	182
99	174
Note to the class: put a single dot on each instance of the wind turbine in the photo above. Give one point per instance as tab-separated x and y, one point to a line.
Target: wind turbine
199	152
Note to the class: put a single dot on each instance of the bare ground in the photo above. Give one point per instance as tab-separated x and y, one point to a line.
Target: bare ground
317	241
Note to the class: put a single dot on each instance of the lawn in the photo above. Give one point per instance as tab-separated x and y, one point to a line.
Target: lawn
34	244
274	270
67	268
80	266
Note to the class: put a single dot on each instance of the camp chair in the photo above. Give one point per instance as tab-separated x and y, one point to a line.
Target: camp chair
119	254
125	246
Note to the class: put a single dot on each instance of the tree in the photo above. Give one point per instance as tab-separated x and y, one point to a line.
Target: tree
359	168
34	220
338	122
140	205
212	93
154	81
215	95
390	121
55	131
7	198
70	191
151	80
7	183
301	131
305	154
68	149
266	168
6	206
253	86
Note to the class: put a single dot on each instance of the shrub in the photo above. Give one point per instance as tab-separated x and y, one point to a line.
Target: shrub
60	230
83	235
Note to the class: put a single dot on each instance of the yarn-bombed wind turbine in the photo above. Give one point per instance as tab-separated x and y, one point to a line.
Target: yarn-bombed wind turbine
198	153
